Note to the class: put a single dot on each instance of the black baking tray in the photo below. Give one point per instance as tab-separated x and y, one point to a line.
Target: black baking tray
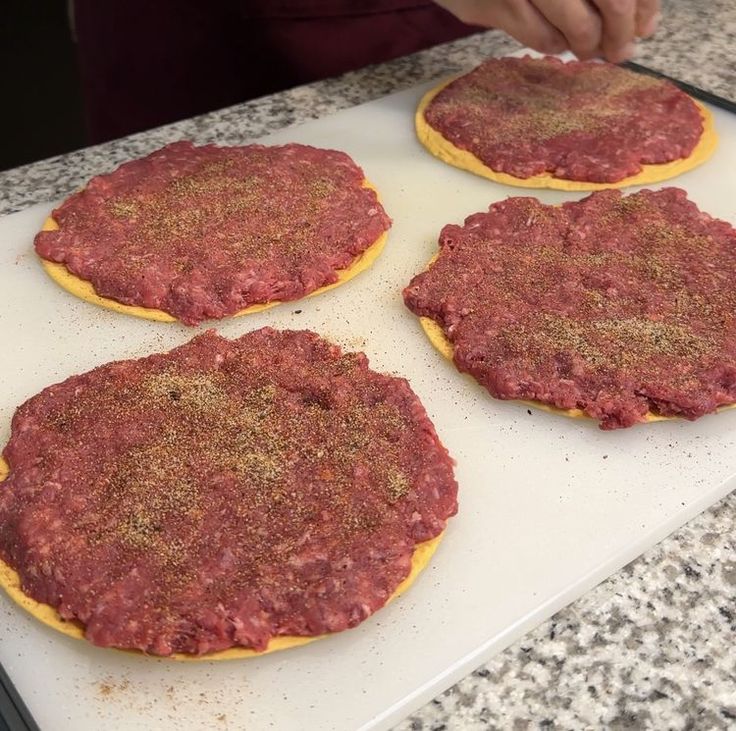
14	716
694	91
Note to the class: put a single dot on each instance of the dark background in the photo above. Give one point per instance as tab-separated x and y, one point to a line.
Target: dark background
42	110
149	62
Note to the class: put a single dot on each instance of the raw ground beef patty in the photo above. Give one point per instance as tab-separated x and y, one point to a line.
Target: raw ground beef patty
222	494
205	232
618	306
581	120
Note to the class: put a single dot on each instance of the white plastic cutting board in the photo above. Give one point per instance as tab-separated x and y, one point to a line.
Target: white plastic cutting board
548	506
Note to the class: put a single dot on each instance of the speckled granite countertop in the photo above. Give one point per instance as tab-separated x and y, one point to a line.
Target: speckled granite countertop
651	647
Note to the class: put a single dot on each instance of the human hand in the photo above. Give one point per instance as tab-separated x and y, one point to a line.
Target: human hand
588	28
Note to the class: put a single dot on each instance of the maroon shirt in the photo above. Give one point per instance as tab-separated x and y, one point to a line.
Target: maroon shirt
148	62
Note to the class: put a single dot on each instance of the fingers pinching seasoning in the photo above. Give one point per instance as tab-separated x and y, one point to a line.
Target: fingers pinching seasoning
588	28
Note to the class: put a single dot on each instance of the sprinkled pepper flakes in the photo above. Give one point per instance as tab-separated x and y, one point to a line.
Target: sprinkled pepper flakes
222	494
580	120
618	306
206	232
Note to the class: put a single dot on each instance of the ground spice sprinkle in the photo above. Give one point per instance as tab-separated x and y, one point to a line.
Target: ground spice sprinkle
614	305
224	493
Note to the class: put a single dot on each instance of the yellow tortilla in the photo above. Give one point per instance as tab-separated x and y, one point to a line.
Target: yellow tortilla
442	148
85	291
10	582
439	340
437	337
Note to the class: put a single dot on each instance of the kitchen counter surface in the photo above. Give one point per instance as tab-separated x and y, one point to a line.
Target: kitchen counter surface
653	645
